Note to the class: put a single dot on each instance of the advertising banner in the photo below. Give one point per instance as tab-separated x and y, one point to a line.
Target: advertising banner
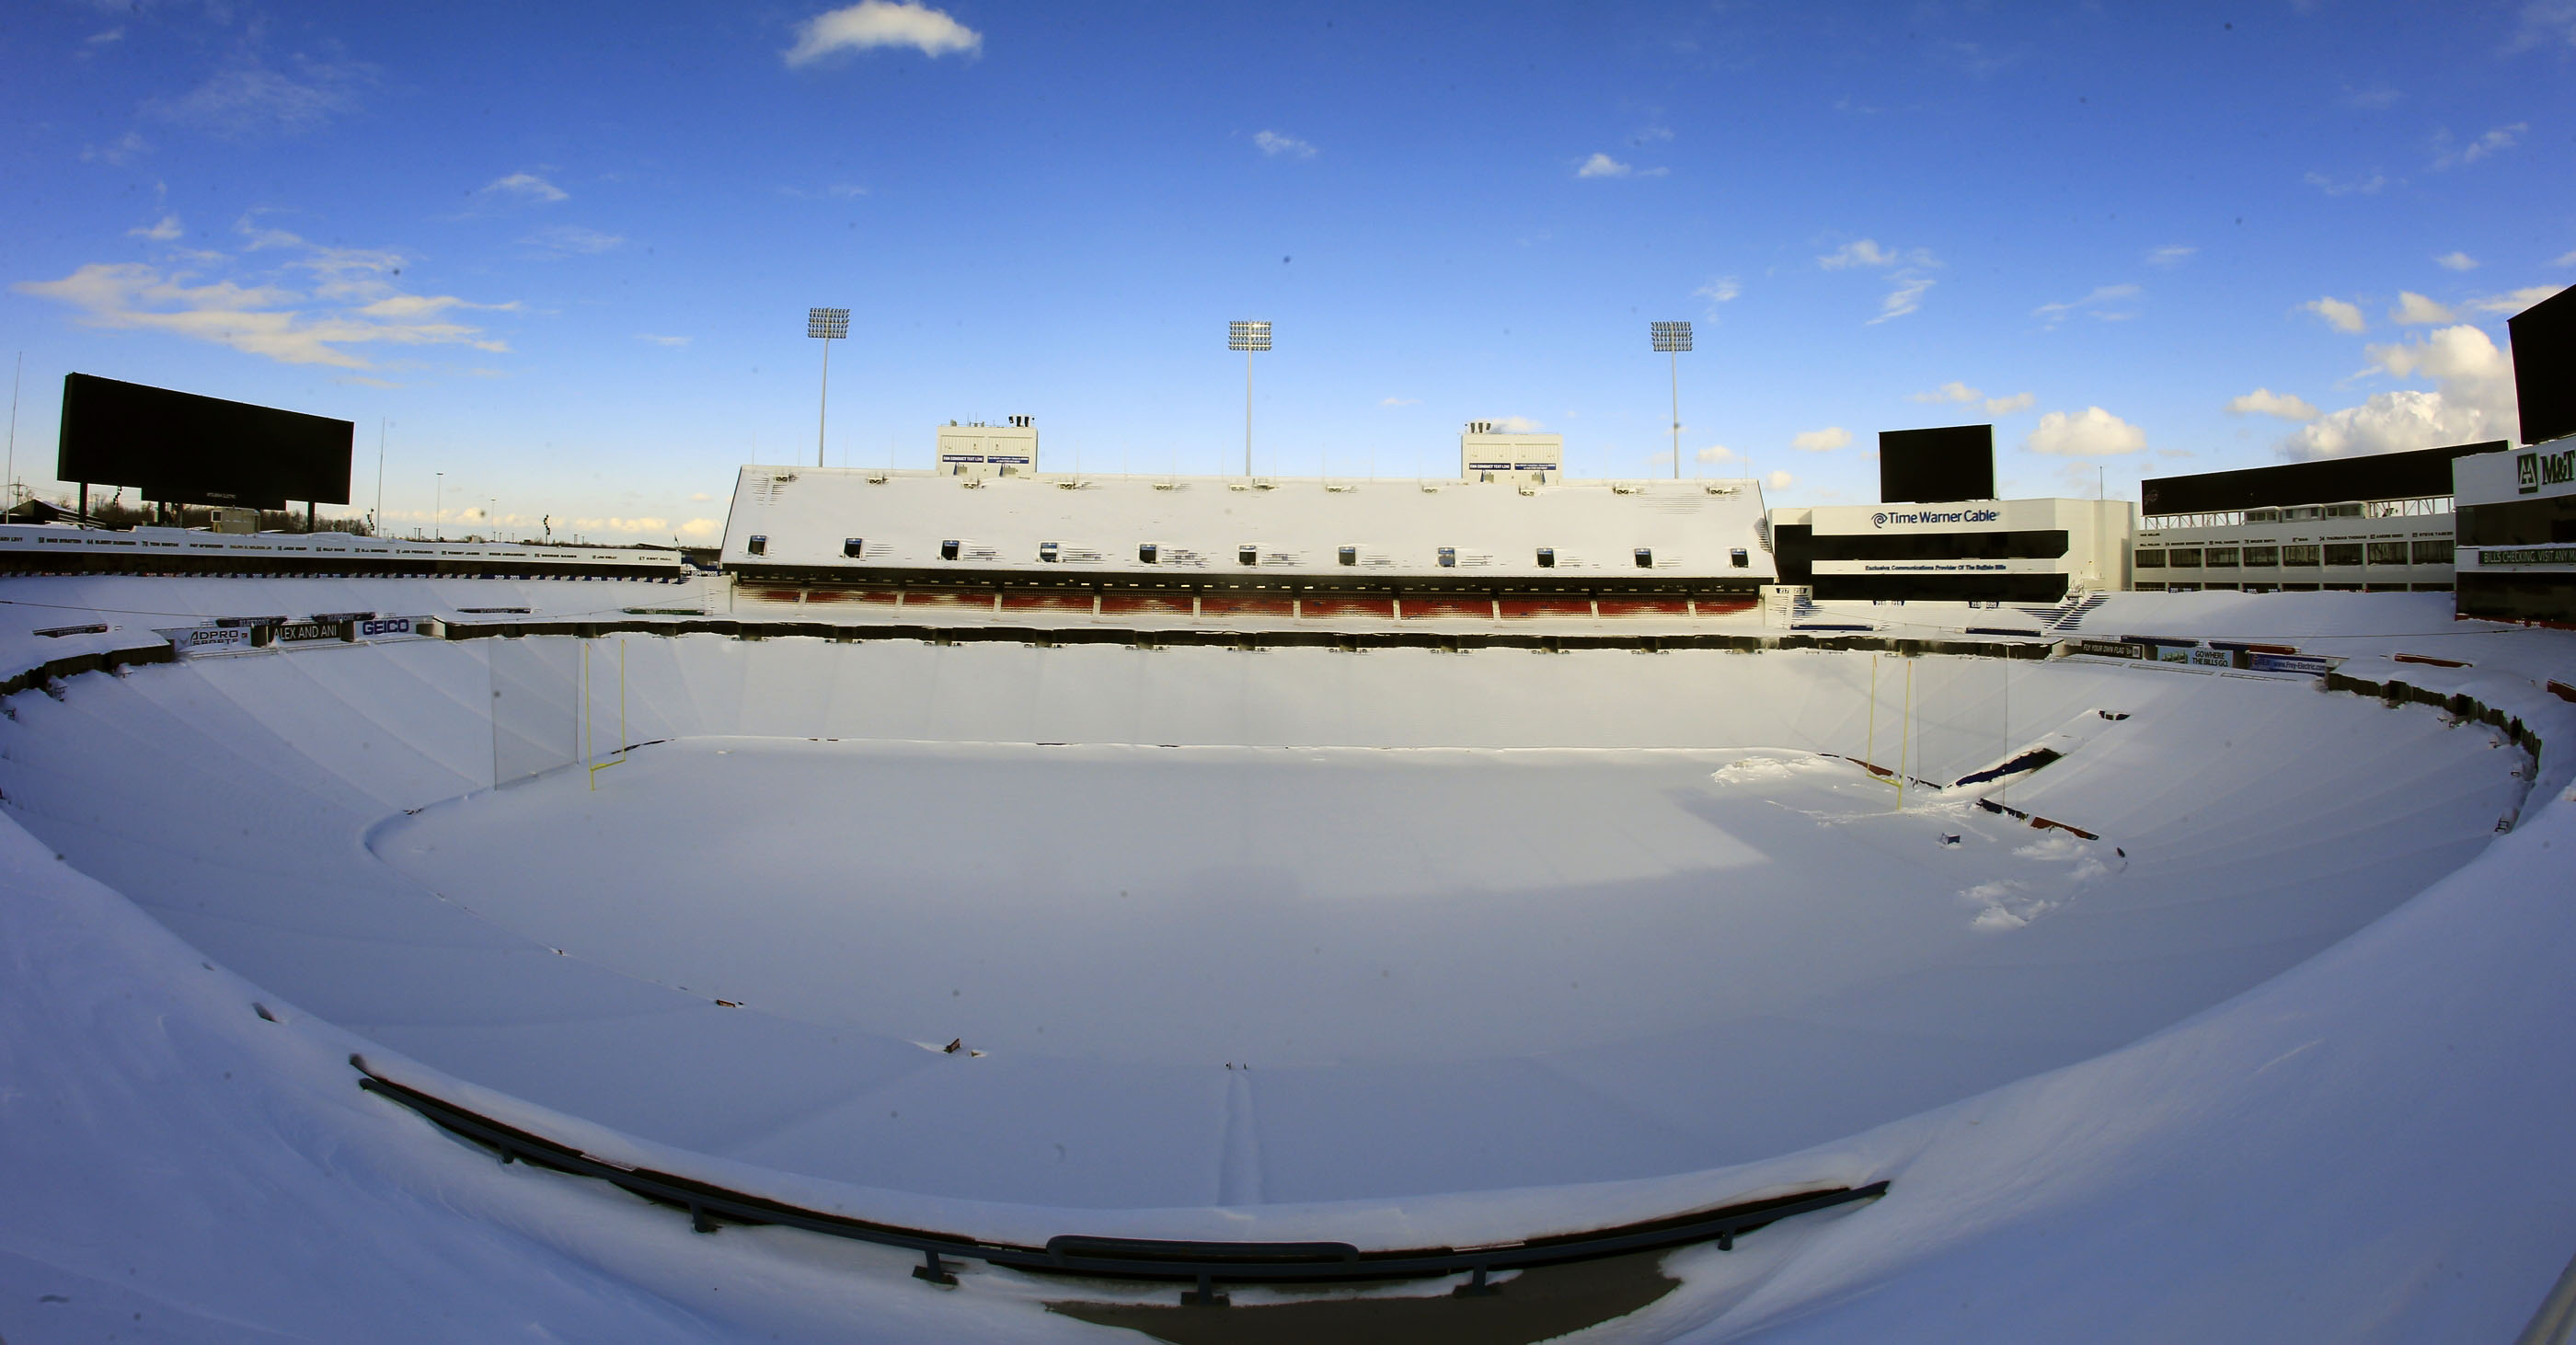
192	640
2309	664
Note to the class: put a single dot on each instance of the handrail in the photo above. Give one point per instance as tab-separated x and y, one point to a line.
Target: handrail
1202	1264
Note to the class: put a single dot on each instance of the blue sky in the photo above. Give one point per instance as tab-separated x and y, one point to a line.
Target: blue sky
566	251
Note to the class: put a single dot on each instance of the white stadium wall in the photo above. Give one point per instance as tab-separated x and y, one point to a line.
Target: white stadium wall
1200	526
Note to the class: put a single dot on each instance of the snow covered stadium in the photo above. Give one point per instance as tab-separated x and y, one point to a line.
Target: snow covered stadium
845	945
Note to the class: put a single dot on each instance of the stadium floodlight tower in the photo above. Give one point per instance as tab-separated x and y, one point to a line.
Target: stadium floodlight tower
1247	337
1672	338
826	325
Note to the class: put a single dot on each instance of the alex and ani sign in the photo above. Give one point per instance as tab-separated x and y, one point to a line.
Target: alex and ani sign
2531	471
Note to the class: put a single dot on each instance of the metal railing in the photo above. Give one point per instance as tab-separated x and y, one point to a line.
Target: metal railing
1202	1265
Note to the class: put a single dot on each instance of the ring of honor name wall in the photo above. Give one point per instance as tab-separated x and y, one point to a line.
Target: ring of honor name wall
181	448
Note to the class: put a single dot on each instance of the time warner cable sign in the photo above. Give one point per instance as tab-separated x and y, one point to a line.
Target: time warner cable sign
1920	517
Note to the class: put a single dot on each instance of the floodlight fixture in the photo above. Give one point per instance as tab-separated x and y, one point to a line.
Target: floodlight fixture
1671	338
1248	337
826	325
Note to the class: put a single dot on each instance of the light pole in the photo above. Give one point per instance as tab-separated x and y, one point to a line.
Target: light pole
438	508
1671	338
826	325
11	485
1247	337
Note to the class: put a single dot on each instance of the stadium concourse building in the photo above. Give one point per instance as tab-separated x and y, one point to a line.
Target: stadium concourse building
1939	534
2517	520
2380	522
1507	537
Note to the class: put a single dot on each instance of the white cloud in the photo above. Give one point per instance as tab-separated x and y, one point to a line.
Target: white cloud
2005	406
250	98
1399	401
1908	285
347	299
106	35
2341	316
1275	144
2372	99
880	23
2265	402
2513	302
2414	310
524	187
838	191
2107	302
2493	142
1602	165
2090	433
673	341
2366	185
1947	392
1718	453
1825	440
1779	481
119	152
1721	290
1520	425
568	240
2172	254
2568	259
700	527
648	524
1858	252
1905	298
162	232
2471	400
2546	23
2456	261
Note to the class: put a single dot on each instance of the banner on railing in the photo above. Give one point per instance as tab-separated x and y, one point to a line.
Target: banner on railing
2310	665
187	641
